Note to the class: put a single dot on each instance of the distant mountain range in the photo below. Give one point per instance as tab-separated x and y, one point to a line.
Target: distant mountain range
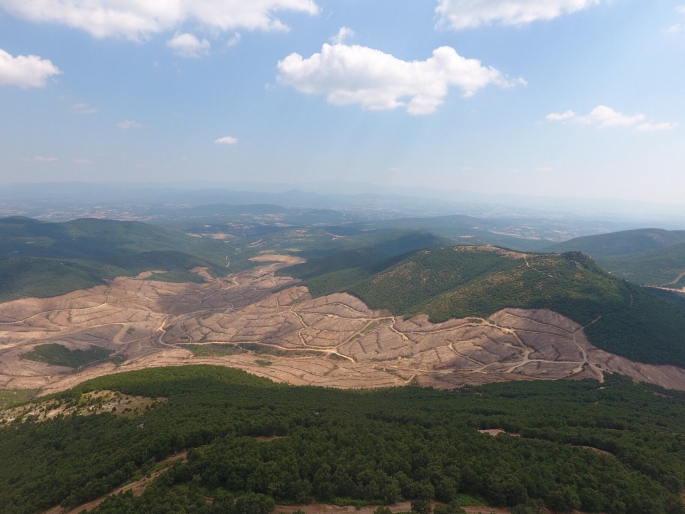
646	256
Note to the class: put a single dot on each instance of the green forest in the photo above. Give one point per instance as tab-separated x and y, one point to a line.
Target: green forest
642	324
48	259
60	355
252	444
664	266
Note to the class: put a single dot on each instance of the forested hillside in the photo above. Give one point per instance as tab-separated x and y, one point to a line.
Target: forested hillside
621	243
641	324
346	447
383	246
662	267
48	259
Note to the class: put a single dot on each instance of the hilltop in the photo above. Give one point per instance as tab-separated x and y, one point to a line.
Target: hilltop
620	317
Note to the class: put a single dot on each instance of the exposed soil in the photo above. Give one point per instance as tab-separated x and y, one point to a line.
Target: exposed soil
90	403
335	341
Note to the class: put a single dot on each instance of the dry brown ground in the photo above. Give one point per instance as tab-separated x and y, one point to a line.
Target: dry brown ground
348	345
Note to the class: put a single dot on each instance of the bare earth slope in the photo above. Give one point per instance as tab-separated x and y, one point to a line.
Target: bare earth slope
334	341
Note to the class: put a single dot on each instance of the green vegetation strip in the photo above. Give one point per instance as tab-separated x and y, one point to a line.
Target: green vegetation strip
218	349
372	447
60	355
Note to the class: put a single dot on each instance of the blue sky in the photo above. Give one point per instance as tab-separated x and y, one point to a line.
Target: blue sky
543	97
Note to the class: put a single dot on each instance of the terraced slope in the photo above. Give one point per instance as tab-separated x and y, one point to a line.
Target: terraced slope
625	319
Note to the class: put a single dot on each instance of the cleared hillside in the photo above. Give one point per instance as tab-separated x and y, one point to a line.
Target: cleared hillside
640	324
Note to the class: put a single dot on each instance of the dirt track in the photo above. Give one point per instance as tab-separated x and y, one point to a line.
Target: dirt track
347	344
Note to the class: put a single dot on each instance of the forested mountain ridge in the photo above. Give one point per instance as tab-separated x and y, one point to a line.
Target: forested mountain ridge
621	243
48	259
640	324
646	256
376	253
661	267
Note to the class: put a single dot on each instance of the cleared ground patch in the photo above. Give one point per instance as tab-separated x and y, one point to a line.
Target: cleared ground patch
334	341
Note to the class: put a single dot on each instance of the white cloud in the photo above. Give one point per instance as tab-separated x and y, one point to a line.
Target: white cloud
188	46
130	124
83	161
84	109
139	19
25	71
653	127
461	14
679	26
228	140
44	159
603	116
607	117
377	81
234	40
342	35
568	115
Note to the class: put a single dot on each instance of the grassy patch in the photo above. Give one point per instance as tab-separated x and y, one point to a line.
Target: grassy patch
213	350
263	362
11	397
60	355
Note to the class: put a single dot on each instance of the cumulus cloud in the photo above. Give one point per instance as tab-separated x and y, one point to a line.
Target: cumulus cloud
227	140
461	14
25	71
140	19
188	46
377	81
653	127
568	115
83	161
130	124
84	109
44	159
342	35
603	116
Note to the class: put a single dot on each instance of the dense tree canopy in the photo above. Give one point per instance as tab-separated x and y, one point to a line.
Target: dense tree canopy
374	447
